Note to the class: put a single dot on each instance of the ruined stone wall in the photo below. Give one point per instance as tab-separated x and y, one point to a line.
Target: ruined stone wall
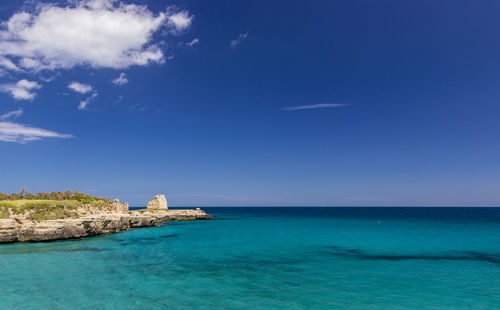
160	202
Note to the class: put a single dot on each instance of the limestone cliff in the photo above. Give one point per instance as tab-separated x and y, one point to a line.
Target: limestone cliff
91	221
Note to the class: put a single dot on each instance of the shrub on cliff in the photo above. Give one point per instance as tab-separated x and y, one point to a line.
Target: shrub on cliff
66	195
39	209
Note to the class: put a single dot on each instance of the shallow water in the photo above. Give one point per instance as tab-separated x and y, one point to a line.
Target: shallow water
270	258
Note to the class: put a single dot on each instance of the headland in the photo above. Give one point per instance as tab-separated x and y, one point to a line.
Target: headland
72	215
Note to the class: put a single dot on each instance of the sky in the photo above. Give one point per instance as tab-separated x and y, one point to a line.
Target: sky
253	103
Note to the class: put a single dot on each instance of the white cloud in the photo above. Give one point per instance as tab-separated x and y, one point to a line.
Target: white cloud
80	87
22	90
12	114
179	21
14	132
99	33
316	106
237	41
83	104
121	80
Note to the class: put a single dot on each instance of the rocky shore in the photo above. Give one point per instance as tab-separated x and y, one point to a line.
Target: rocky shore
92	221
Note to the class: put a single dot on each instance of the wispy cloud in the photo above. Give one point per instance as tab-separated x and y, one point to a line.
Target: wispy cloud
316	106
191	43
372	199
84	103
19	133
121	80
138	107
9	65
80	87
12	114
22	90
195	41
237	41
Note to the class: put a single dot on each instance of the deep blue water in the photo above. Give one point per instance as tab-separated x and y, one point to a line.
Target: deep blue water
270	258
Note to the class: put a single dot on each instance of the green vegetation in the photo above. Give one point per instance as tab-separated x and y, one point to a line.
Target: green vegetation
66	195
4	212
42	209
46	206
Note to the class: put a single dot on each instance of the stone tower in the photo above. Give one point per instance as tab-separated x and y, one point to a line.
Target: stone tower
160	202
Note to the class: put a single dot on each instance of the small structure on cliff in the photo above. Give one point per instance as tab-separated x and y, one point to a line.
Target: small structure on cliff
119	207
160	202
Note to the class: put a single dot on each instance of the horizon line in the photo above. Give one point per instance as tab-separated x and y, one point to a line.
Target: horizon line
357	206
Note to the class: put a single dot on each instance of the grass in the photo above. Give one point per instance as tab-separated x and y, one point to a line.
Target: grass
23	204
40	210
4	213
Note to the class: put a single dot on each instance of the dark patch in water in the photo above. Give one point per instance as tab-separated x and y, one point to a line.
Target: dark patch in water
453	256
333	247
28	250
83	250
495	258
272	260
353	251
174	223
169	236
149	240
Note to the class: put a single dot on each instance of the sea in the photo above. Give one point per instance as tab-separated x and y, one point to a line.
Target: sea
270	258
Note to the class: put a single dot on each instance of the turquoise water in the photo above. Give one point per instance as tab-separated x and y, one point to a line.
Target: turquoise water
276	258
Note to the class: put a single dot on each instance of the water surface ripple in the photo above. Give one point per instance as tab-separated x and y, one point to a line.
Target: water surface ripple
274	258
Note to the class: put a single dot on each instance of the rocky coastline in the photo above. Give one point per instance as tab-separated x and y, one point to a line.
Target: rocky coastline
92	221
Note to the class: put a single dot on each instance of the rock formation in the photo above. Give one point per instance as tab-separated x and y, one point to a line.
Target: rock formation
160	202
119	207
93	221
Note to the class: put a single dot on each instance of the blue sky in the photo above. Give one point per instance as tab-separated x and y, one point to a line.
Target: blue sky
220	103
